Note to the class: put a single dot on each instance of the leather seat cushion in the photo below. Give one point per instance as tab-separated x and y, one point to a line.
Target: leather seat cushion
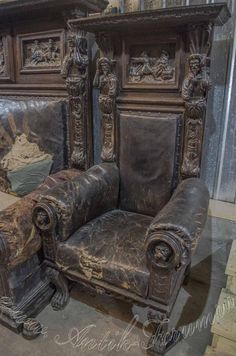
110	248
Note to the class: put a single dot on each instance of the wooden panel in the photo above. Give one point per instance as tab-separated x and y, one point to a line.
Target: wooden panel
225	322
231	265
224	345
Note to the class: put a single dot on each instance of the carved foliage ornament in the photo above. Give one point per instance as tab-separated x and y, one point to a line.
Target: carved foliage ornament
75	71
107	82
194	92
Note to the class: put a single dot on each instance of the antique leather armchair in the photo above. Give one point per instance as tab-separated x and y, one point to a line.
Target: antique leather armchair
123	229
130	225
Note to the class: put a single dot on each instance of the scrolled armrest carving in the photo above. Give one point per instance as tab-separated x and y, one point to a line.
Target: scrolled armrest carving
44	217
165	250
45	220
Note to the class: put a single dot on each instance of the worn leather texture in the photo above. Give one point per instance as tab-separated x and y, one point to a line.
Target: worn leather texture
148	145
16	227
43	121
82	199
110	248
185	214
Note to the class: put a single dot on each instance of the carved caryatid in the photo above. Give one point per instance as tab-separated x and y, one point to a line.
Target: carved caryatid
107	82
194	92
75	71
2	57
146	69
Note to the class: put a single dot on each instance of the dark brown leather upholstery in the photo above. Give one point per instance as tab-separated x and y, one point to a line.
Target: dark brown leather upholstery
16	228
43	121
148	147
185	214
110	245
79	200
110	248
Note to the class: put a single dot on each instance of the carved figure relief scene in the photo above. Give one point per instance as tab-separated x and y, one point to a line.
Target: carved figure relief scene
45	51
42	53
152	64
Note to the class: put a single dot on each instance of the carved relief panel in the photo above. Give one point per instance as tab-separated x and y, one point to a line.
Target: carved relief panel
152	65
41	52
6	58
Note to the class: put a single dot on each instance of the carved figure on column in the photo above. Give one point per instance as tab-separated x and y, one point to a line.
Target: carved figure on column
107	82
194	92
75	71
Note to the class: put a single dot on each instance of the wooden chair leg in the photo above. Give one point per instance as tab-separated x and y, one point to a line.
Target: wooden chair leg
161	340
61	297
187	275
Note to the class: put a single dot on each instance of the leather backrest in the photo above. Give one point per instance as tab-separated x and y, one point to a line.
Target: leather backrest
41	122
149	145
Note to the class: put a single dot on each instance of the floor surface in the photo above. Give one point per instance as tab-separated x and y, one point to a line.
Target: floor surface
105	324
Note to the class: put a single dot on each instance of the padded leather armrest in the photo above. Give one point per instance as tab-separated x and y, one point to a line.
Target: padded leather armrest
71	205
18	238
174	233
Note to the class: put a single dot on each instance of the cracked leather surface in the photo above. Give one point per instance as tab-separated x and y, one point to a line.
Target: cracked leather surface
16	226
81	199
186	212
110	248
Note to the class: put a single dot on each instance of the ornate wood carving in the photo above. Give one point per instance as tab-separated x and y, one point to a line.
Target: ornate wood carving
2	57
146	69
41	52
6	57
45	220
194	92
107	82
61	296
75	71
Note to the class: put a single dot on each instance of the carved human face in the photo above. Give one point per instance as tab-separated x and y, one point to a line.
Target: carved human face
42	218
162	252
105	68
195	66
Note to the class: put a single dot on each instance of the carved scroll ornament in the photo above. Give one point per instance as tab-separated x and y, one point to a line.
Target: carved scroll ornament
75	71
107	82
194	92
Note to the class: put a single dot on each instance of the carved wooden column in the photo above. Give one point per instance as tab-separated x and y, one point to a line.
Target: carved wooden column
106	80
194	92
75	71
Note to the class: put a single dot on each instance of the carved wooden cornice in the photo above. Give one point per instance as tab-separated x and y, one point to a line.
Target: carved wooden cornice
8	7
176	16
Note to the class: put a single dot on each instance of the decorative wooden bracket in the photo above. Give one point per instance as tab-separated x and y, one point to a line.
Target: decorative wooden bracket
75	71
194	92
107	82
